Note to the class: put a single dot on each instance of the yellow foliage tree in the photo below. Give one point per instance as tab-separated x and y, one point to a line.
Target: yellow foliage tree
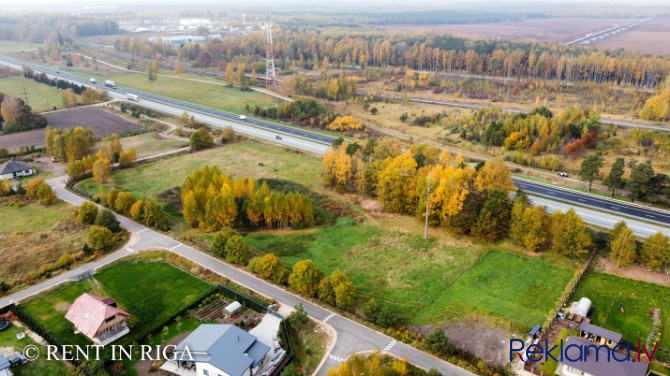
494	176
345	123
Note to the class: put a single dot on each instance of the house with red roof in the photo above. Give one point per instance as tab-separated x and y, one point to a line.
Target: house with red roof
98	318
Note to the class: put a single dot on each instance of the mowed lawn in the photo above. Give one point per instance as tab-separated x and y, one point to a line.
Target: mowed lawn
41	97
10	46
32	217
239	160
186	89
427	281
151	292
146	144
39	367
607	291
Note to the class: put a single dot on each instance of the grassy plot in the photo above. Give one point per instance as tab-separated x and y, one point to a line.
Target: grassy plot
309	345
41	97
446	278
35	235
607	291
151	292
38	367
149	144
549	367
189	89
10	46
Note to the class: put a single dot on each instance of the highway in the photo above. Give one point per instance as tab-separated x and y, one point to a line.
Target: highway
318	144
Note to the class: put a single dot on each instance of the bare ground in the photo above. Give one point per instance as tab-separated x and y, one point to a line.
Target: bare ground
636	272
103	123
484	342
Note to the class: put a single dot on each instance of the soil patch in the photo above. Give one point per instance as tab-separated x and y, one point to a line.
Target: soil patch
637	272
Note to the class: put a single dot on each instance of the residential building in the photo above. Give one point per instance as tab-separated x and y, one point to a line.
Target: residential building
592	360
15	169
98	318
599	335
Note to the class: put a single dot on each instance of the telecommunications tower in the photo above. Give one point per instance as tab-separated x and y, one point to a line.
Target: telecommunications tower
270	75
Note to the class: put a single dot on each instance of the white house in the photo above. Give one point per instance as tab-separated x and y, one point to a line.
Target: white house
216	349
15	169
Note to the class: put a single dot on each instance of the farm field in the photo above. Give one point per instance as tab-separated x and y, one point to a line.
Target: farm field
538	29
41	97
644	38
36	235
138	288
39	367
447	277
607	291
100	121
187	89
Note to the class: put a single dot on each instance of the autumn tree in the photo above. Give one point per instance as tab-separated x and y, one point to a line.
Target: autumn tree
153	70
655	253
236	250
220	211
571	237
623	248
127	158
538	227
68	98
396	184
101	239
493	221
101	170
269	267
230	74
87	213
337	289
591	168
345	123
517	226
220	241
494	176
124	201
615	179
657	107
32	187
305	278
45	194
201	139
177	68
76	169
111	147
5	188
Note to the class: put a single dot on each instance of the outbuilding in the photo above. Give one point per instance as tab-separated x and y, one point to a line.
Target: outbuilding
232	308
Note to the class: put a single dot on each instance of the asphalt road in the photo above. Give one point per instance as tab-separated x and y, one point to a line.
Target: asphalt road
612	206
352	337
318	143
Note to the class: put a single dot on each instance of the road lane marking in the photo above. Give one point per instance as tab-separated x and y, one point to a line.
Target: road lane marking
650	216
129	249
177	246
336	358
390	345
141	231
329	317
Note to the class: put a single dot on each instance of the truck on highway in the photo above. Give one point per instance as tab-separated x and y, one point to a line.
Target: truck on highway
92	80
133	97
109	83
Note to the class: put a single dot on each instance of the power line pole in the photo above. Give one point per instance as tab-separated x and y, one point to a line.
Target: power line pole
425	229
270	75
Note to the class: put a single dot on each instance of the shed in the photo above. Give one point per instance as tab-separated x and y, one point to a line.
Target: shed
536	329
583	307
232	308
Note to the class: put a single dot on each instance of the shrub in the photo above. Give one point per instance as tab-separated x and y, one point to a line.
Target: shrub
45	194
87	213
100	238
108	220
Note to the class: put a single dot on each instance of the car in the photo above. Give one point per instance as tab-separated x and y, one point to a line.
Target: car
563	174
278	137
242	117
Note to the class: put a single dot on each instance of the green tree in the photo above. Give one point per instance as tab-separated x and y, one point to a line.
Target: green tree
124	201
100	238
201	139
639	182
153	215
623	248
111	198
108	220
614	179
87	213
493	221
572	238
591	168
236	250
437	342
298	317
269	267
656	252
305	278
220	241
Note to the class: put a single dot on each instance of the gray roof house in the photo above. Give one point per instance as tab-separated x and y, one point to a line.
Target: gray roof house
215	349
591	367
598	334
4	366
13	169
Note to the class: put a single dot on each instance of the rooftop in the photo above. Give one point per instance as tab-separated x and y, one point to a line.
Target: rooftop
601	367
13	166
600	331
88	312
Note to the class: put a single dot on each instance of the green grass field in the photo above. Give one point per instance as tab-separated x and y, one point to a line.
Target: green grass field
447	280
31	217
146	144
140	289
41	97
186	89
549	367
39	367
608	291
9	46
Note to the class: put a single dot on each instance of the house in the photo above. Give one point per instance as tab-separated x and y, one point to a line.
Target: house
15	169
599	335
596	364
218	350
4	366
98	318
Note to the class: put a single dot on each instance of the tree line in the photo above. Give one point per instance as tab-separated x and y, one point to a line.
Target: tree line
36	27
624	250
212	200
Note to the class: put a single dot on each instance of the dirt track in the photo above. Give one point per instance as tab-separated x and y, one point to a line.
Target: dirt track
100	121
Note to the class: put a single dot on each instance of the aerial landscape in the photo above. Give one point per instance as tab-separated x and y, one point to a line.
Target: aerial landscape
335	188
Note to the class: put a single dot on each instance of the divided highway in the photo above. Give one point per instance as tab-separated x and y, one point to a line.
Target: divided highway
318	143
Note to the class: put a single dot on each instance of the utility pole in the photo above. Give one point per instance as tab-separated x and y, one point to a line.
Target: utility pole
270	75
25	94
425	229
